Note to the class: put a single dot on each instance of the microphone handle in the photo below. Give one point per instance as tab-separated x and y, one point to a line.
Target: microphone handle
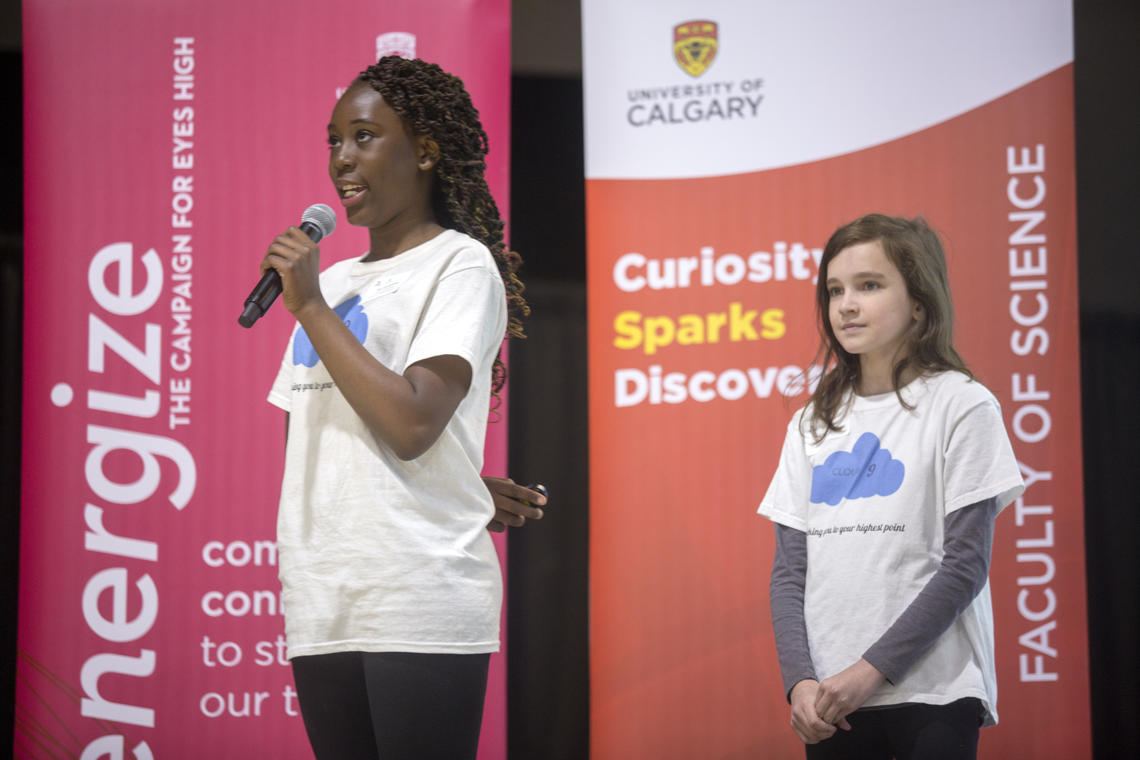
269	286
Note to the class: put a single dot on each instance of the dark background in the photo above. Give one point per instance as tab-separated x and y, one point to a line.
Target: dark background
547	606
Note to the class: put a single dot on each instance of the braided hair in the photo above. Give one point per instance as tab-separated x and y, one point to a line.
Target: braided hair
435	103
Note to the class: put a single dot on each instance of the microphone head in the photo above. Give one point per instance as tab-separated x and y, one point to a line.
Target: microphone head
322	217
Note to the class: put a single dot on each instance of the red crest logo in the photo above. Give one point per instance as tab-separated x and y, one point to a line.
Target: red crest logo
694	46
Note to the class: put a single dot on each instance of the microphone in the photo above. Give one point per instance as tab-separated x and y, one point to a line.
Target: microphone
317	222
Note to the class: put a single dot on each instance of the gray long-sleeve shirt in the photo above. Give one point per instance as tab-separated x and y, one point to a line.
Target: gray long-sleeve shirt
968	539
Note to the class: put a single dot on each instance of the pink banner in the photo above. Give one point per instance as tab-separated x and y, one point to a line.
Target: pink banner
165	146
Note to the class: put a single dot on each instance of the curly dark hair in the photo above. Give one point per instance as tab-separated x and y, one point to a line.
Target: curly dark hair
435	103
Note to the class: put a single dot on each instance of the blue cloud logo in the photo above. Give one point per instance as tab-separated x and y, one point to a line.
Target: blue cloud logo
866	470
354	317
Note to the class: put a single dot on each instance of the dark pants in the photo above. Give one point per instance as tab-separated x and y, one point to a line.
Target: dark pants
906	732
392	705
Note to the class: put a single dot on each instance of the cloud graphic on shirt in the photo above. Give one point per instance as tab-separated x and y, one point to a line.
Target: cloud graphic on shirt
866	470
351	312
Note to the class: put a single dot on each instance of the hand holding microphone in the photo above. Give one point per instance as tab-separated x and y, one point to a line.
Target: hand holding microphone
317	222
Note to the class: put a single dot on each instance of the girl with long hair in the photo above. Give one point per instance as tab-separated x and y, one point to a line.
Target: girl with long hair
884	502
392	588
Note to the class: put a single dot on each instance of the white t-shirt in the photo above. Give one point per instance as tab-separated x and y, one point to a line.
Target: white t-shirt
377	554
872	500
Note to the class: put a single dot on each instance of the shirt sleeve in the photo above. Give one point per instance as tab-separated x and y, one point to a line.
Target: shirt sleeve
280	394
786	600
965	567
786	499
980	463
465	317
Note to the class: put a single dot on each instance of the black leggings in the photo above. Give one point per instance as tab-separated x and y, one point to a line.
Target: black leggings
392	705
906	732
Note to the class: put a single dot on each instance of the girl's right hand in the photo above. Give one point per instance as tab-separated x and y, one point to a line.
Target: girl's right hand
805	722
297	259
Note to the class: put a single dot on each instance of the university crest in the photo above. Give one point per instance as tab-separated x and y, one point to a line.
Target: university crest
694	46
402	44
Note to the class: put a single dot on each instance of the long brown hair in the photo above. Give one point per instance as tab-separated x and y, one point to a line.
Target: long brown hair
915	250
435	103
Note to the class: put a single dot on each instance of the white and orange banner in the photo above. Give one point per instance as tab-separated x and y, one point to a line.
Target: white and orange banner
725	141
165	146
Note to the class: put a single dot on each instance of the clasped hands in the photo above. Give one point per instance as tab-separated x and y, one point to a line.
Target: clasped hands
820	707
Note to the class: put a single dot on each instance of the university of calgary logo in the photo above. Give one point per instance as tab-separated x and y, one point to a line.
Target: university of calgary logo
694	46
402	44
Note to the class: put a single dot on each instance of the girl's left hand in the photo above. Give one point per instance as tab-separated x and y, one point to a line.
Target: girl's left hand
845	692
297	259
514	504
